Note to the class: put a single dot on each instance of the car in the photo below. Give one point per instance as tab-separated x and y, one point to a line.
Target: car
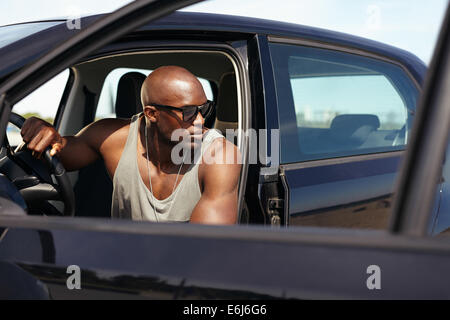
336	155
322	119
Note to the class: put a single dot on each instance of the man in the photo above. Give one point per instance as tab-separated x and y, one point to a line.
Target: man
138	154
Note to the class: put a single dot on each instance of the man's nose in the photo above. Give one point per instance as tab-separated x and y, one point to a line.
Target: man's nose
199	120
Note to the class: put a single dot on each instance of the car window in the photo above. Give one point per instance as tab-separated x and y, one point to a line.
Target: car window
106	107
42	103
334	104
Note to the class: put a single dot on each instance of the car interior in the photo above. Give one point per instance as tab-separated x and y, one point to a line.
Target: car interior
92	185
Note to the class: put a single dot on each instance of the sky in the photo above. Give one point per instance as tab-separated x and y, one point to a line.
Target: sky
409	24
412	25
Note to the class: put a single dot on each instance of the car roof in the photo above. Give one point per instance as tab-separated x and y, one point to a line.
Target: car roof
22	52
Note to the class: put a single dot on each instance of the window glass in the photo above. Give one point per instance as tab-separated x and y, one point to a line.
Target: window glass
42	103
344	95
107	101
342	104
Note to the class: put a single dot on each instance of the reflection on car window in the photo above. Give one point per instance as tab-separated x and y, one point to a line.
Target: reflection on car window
342	104
42	103
12	33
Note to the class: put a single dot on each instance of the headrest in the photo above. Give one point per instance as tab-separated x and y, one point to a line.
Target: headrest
227	99
128	101
353	129
352	122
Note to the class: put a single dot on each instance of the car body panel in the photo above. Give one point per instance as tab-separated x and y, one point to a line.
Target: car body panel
356	193
178	262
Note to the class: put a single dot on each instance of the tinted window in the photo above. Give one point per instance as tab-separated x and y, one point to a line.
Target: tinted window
334	104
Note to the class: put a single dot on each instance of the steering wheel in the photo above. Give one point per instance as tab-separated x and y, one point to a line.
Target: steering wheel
63	189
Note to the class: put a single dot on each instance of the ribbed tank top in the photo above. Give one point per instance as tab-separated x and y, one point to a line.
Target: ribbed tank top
131	199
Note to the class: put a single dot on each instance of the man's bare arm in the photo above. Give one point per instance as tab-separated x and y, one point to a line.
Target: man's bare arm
219	201
75	152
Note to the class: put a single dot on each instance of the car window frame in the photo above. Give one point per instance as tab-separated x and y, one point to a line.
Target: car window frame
228	49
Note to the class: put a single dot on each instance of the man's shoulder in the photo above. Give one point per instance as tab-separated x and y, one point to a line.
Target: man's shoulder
222	151
220	167
109	126
220	155
112	123
107	131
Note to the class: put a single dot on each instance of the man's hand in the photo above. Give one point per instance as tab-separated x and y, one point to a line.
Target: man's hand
39	134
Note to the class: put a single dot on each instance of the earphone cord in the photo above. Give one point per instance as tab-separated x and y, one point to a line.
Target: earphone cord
150	178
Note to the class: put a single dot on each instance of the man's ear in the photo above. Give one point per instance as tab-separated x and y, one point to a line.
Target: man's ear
151	113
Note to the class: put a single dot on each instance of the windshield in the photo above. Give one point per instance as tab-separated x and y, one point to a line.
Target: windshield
13	33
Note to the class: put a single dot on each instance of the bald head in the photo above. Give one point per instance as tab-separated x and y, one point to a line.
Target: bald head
172	85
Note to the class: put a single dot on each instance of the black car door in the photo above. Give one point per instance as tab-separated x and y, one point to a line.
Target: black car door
345	118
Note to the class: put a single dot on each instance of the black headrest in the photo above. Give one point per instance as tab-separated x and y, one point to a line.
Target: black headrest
128	102
351	122
227	99
353	129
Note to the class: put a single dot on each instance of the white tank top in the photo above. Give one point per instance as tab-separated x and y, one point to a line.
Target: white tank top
131	199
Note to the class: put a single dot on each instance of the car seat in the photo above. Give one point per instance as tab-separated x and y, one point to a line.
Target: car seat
226	106
93	190
128	101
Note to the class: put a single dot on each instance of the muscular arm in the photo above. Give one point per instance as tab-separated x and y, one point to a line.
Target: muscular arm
90	143
219	201
76	151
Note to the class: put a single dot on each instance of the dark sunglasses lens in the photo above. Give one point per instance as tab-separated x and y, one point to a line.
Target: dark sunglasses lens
206	109
189	113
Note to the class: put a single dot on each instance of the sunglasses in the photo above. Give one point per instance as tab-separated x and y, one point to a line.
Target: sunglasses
190	112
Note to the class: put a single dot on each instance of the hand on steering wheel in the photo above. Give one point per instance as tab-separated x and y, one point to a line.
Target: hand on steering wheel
55	167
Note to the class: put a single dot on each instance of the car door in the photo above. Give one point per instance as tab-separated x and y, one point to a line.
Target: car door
345	119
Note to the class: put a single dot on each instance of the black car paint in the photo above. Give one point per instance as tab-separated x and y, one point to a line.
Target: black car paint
328	188
265	266
173	261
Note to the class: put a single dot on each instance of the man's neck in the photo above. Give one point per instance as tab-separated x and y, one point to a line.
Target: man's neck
159	151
